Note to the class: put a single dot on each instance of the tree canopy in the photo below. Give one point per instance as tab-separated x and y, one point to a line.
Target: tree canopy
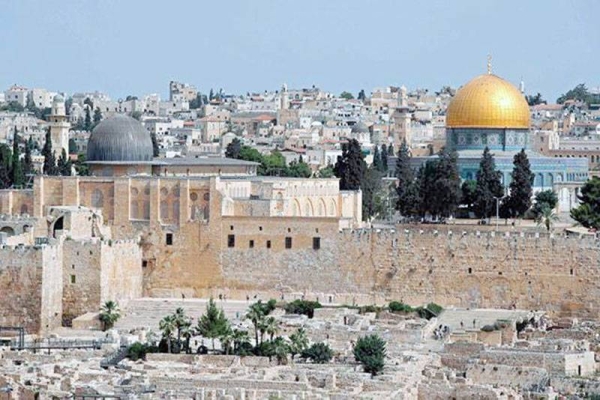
588	212
488	186
521	190
580	93
350	166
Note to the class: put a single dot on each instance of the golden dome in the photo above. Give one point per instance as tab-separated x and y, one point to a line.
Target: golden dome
488	101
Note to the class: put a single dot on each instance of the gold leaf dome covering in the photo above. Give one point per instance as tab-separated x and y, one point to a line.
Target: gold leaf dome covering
488	101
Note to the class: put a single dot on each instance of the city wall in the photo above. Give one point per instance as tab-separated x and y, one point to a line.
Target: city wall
31	287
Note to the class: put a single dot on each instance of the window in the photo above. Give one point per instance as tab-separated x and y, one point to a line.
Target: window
288	242
144	263
260	228
169	239
316	243
230	227
230	240
470	270
73	279
268	244
251	244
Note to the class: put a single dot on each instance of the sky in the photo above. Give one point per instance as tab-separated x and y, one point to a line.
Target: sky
123	47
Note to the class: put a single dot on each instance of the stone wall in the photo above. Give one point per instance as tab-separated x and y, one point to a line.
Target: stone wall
25	301
96	271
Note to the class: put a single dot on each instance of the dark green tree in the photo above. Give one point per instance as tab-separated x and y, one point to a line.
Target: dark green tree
588	212
327	172
81	168
468	189
87	124
391	150
155	148
370	351
489	186
5	160
28	168
64	164
13	106
319	353
211	95
446	184
545	199
384	158
350	166
370	185
97	117
299	169
72	146
233	149
521	191
346	95
426	187
407	188
212	324
16	169
361	95
580	93
377	163
535	100
49	158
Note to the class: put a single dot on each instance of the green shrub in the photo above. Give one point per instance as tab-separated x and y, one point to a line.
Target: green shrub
370	351
399	307
488	328
370	309
319	353
137	351
303	307
435	308
430	311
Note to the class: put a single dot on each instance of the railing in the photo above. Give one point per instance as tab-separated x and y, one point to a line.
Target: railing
59	344
114	358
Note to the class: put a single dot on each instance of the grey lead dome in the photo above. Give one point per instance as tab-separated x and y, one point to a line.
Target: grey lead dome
119	138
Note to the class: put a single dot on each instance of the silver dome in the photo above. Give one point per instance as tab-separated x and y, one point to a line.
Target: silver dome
119	138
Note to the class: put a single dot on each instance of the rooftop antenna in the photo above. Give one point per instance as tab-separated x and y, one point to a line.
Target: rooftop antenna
489	64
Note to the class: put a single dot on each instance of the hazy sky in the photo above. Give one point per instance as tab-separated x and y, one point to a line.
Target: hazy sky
135	47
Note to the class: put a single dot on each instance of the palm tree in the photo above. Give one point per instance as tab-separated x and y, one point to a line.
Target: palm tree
109	314
167	326
186	332
239	336
299	342
547	218
271	327
181	322
226	340
256	315
280	349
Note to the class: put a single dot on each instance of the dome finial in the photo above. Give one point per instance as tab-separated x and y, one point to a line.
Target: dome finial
489	64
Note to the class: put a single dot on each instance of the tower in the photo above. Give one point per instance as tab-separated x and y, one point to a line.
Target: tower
284	101
59	126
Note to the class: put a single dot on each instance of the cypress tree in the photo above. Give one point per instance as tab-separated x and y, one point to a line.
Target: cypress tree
27	161
64	164
384	158
488	186
446	186
49	159
97	116
5	159
16	169
87	125
521	191
407	189
350	166
155	149
391	150
377	163
370	185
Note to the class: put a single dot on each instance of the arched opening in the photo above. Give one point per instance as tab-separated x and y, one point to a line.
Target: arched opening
8	230
24	209
58	226
97	198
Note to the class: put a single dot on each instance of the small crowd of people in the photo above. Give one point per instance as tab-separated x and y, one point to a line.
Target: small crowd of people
441	332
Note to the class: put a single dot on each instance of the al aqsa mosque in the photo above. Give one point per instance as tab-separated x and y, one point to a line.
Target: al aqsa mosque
490	111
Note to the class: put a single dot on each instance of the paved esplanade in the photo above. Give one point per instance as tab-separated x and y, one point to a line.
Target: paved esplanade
147	312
